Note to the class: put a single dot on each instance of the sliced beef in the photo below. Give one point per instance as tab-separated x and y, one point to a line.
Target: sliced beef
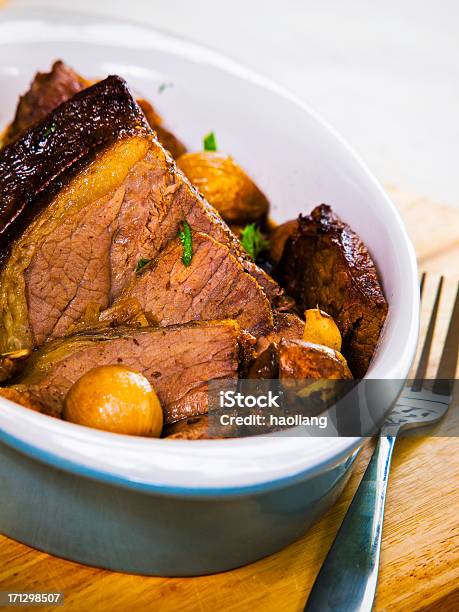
47	153
122	204
325	264
47	91
213	286
178	361
273	291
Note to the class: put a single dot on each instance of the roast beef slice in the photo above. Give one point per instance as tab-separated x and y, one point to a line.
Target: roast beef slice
326	264
45	155
126	204
178	361
48	90
213	286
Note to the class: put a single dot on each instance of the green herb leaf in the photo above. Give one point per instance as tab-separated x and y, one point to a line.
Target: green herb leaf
52	128
141	264
164	86
210	142
185	239
253	240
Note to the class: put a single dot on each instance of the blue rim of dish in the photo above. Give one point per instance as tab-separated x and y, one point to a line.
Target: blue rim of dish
66	465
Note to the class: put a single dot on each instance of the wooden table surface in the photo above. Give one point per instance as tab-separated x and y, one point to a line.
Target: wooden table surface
420	550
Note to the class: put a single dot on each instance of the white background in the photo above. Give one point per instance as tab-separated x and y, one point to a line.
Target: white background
385	74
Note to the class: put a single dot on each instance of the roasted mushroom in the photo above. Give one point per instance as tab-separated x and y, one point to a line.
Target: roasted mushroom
225	185
266	365
300	360
311	372
287	326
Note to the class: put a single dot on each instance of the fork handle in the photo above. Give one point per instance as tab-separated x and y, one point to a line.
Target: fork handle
348	577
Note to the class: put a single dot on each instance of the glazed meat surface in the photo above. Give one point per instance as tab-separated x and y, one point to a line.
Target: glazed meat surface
325	264
178	361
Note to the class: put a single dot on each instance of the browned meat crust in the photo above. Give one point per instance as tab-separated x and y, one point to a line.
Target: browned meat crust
47	91
47	151
178	361
325	264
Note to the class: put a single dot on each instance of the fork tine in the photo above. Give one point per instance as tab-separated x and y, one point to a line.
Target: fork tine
421	286
424	359
448	361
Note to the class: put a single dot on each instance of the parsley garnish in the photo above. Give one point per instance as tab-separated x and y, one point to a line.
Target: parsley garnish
253	240
185	239
210	142
52	128
141	264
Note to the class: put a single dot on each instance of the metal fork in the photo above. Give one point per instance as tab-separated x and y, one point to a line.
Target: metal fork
348	577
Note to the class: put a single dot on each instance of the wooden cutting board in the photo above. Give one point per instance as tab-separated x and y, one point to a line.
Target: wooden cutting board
420	550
